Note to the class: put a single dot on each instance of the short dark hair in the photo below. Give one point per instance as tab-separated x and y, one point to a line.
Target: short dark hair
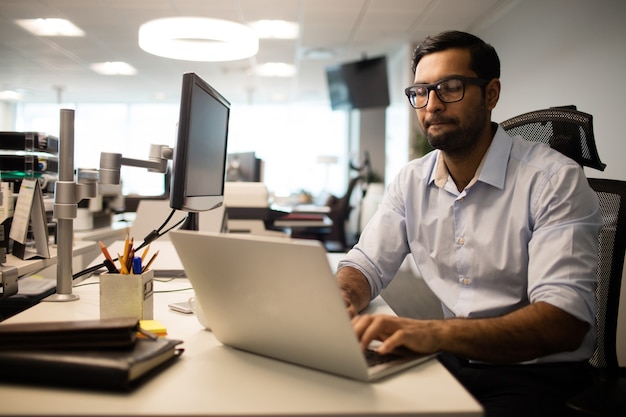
484	59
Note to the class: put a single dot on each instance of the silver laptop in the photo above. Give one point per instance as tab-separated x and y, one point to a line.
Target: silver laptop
277	297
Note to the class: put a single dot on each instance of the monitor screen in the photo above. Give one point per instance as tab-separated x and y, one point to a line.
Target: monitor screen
198	171
358	85
243	166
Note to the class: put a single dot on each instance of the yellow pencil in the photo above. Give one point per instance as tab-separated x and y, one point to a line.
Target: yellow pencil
126	244
145	268
123	268
145	252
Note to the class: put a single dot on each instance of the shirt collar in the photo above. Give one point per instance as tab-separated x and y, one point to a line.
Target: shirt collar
496	160
492	168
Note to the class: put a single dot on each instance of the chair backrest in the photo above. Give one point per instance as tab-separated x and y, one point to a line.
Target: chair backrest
340	209
571	132
563	128
612	246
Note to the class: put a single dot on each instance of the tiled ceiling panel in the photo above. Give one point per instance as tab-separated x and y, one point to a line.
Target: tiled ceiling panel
349	29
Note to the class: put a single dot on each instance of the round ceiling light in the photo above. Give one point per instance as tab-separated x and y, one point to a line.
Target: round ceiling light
198	39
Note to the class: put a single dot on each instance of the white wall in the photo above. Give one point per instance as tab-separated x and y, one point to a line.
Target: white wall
399	114
7	115
557	52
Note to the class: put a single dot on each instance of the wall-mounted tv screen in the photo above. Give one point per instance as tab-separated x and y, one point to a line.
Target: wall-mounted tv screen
358	85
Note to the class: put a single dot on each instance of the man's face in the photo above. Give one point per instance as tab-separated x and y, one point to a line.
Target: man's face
453	128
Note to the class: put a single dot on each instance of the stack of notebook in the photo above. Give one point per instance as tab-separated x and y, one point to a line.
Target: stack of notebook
113	354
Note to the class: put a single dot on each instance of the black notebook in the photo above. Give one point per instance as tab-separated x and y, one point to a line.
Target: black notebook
109	369
77	334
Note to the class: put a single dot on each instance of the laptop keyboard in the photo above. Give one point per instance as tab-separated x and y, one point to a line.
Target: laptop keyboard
374	358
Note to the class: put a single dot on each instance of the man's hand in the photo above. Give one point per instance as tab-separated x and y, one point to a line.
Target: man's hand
418	335
536	330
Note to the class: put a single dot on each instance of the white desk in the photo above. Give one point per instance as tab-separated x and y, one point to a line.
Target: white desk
213	380
83	252
38	277
117	231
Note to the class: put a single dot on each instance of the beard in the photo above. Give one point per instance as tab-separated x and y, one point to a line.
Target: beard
456	139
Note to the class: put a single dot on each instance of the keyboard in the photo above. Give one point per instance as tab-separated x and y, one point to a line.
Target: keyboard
374	358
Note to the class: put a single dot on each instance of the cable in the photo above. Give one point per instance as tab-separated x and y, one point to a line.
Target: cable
151	237
155	234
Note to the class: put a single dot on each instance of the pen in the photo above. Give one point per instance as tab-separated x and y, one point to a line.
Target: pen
111	267
137	265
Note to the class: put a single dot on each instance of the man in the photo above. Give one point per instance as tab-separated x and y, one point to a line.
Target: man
505	233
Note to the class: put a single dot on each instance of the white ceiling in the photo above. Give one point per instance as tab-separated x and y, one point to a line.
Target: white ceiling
56	69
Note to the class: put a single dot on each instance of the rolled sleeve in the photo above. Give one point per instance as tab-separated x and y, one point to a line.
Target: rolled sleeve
563	251
382	246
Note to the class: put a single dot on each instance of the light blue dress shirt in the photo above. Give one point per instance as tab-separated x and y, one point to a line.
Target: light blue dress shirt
525	231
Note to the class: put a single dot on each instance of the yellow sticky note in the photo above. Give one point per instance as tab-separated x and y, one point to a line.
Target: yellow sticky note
153	326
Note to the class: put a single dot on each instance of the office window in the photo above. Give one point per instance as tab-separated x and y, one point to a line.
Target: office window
294	141
120	128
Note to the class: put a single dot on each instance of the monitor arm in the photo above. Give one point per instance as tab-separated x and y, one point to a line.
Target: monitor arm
68	192
111	163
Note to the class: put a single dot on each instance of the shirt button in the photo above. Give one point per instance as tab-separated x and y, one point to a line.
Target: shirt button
461	241
465	281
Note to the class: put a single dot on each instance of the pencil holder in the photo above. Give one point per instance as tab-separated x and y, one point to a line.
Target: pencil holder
127	295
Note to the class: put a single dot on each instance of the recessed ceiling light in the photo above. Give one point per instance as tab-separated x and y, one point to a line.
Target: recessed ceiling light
275	69
318	53
275	29
10	95
50	27
198	39
113	68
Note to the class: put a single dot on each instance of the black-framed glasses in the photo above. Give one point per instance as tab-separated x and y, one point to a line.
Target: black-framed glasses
449	90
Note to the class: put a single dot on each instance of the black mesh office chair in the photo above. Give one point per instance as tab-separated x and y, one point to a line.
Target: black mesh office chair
563	128
607	396
571	132
340	209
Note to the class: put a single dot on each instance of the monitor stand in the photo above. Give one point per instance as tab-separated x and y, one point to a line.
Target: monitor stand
191	223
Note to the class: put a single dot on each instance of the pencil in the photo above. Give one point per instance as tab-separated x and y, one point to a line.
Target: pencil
123	268
145	252
122	258
126	244
145	268
105	251
129	259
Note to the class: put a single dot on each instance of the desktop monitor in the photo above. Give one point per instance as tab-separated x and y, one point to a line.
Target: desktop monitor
198	171
358	85
243	166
